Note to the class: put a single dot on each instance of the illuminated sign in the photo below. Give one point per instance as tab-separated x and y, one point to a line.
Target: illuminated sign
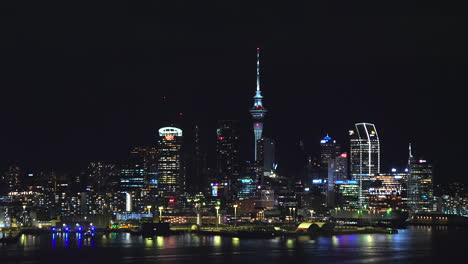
338	181
352	182
169	137
171	200
214	190
422	161
317	181
344	155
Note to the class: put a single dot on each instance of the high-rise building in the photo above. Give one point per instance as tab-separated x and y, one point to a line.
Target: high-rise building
266	157
258	112
171	179
99	176
341	167
134	174
198	180
329	149
10	180
420	185
227	154
364	157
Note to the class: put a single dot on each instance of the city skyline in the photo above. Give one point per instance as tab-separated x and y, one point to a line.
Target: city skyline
232	131
96	100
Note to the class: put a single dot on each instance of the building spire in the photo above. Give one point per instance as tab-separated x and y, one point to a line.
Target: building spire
258	69
410	153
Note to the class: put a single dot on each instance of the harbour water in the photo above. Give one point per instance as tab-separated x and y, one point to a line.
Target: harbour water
411	245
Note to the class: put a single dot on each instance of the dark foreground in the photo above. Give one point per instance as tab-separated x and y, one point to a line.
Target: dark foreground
412	245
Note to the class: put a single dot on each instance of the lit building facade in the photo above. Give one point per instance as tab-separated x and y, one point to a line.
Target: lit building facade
420	185
364	157
266	157
171	179
386	192
347	194
227	153
329	149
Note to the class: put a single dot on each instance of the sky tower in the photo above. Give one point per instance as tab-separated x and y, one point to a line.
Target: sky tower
258	111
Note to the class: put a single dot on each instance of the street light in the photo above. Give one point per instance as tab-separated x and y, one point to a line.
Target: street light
311	214
217	215
235	214
160	213
149	208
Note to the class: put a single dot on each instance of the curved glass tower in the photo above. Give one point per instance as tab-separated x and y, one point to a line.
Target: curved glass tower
258	112
364	157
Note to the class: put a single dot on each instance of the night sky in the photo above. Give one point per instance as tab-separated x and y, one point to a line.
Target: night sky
83	82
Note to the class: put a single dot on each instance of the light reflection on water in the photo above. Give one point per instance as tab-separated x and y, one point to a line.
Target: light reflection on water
409	245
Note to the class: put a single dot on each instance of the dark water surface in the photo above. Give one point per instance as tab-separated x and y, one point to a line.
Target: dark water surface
412	245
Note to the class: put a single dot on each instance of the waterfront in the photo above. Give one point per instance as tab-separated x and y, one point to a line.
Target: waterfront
412	245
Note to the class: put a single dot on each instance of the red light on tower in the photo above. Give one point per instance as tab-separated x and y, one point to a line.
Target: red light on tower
221	138
257	124
171	200
344	155
169	137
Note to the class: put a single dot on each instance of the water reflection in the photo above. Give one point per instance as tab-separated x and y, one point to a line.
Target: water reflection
235	242
407	245
67	241
217	241
54	240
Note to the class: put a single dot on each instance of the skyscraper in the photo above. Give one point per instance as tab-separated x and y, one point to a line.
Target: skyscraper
198	181
420	185
258	112
10	180
266	157
329	149
170	175
227	153
364	157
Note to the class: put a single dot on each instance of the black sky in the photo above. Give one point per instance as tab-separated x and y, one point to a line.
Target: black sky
85	82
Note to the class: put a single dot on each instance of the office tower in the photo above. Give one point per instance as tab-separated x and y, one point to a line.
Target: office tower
364	157
385	192
347	194
198	180
170	175
227	151
420	184
134	172
266	157
329	149
258	112
10	180
99	176
248	181
341	167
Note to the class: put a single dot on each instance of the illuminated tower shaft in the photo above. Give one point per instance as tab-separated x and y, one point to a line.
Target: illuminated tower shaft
258	112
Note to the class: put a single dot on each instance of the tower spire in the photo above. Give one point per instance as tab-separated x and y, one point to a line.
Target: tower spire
258	69
410	153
